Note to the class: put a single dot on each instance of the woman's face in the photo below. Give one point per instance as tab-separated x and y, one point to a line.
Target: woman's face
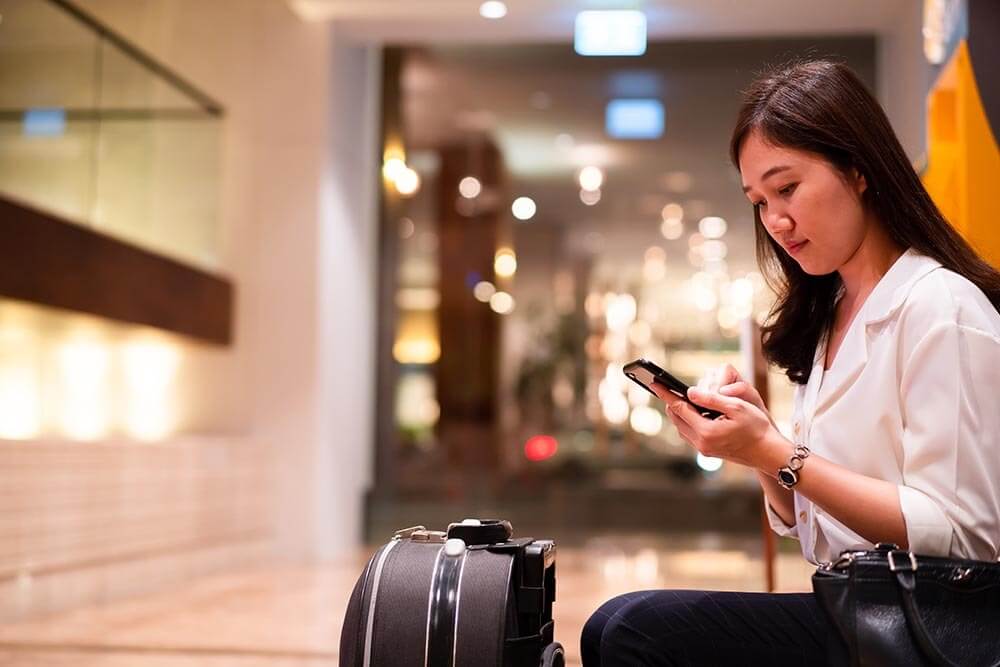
806	204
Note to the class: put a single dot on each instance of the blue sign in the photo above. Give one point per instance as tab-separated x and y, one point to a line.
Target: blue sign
634	119
44	122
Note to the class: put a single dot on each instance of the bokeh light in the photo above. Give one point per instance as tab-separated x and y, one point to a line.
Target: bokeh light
470	187
505	263
523	208
540	447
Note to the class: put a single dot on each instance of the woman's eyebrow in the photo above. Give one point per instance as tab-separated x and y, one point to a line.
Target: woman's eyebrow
769	173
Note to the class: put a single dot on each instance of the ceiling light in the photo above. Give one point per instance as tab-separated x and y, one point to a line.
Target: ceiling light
493	9
610	33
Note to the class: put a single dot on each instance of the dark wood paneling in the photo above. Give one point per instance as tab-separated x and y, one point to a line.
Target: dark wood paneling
984	50
47	260
391	209
468	372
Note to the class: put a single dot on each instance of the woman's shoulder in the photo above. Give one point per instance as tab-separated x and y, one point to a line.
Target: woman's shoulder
941	297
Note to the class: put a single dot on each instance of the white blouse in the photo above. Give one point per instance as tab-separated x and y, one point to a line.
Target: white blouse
911	398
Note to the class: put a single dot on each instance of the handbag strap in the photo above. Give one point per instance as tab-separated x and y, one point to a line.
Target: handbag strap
907	580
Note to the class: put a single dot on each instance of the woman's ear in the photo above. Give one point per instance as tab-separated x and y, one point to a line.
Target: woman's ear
860	182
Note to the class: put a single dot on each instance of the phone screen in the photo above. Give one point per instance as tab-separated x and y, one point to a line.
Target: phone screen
645	373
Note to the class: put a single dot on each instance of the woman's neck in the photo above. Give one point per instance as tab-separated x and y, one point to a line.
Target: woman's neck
873	259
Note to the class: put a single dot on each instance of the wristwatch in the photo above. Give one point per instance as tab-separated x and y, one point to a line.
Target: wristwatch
788	476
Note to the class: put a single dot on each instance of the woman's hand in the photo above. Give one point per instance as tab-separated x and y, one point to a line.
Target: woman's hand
727	381
745	434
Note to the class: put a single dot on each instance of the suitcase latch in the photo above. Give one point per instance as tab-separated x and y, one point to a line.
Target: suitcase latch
420	534
405	533
429	536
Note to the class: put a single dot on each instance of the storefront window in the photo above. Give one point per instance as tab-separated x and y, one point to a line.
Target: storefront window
541	245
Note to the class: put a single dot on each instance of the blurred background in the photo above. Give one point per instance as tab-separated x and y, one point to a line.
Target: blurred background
279	277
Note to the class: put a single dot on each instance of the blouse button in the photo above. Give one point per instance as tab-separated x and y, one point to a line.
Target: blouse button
797	428
802	515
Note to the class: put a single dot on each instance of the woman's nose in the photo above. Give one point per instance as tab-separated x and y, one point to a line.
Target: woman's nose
777	222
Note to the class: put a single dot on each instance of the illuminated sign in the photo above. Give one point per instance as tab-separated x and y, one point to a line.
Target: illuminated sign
610	33
634	119
44	122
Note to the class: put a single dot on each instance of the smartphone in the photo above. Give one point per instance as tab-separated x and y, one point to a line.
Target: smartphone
645	373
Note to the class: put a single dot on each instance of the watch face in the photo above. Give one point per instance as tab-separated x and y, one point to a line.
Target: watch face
787	477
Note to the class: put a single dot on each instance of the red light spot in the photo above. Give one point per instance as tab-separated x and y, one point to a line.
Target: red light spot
540	447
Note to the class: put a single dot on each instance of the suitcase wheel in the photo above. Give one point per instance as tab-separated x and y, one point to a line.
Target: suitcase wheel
553	656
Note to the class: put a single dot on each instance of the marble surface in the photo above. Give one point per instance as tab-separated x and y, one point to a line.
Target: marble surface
290	616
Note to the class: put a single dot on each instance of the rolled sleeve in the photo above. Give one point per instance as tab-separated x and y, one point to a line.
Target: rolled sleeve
778	525
950	493
928	530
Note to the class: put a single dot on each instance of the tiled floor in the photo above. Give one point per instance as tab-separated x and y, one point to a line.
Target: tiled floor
290	617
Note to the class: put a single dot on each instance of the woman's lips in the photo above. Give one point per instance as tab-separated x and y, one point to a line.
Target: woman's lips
795	247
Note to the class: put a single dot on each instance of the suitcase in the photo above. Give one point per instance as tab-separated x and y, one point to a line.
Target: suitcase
468	597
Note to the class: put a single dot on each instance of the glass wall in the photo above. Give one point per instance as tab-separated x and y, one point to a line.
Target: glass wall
94	132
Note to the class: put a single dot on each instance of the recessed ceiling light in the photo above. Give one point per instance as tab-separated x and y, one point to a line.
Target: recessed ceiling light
493	9
610	33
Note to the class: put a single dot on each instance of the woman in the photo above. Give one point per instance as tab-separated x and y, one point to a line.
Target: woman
887	322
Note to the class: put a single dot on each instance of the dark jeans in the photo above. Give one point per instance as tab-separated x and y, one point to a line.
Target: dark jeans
705	628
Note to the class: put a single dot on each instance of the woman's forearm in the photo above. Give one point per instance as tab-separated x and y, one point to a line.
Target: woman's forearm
868	506
779	499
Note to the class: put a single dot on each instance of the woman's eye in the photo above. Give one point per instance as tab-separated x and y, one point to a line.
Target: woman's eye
760	204
787	190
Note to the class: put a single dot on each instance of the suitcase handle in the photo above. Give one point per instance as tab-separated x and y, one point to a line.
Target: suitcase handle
481	531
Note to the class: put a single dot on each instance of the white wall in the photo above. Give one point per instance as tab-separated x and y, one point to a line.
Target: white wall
298	219
348	260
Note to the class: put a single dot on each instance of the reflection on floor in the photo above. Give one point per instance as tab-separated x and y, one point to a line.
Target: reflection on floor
290	617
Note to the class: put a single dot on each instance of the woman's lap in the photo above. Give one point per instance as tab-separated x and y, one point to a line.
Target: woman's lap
668	627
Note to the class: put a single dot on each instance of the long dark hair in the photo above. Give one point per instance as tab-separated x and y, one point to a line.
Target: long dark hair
823	107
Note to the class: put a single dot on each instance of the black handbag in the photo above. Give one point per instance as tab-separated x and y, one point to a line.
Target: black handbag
891	607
